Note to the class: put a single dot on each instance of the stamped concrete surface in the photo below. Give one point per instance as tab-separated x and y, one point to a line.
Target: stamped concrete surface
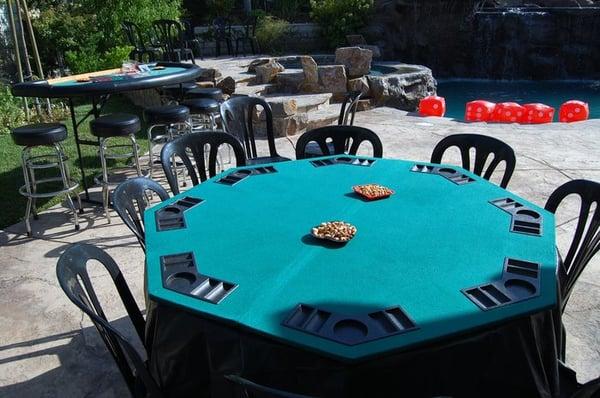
49	349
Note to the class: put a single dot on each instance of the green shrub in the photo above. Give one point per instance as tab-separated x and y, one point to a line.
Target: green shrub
11	111
83	29
87	60
339	18
271	33
110	14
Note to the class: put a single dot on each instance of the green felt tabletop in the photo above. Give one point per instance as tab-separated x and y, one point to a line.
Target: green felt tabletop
117	76
416	249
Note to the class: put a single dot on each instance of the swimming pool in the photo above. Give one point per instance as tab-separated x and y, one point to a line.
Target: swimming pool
458	92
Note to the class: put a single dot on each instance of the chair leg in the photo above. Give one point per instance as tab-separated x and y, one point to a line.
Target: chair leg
65	180
105	190
150	151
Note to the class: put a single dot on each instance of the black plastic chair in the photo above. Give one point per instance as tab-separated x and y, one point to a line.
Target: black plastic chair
346	118
349	107
73	277
237	117
586	240
484	146
337	140
221	32
195	144
136	40
190	39
248	36
171	36
249	389
130	200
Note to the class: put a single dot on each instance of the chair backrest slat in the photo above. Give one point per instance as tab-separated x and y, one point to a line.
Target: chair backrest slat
341	138
130	199
255	390
484	147
196	144
586	239
349	108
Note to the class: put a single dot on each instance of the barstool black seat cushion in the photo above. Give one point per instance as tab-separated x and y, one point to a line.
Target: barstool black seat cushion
175	90
39	134
166	114
115	125
202	105
205	92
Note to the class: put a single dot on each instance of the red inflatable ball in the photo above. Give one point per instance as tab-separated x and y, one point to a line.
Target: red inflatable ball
479	111
537	114
573	111
508	112
432	106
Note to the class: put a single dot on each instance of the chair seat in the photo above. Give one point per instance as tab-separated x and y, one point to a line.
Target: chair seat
205	92
115	125
176	90
39	134
166	114
266	159
202	105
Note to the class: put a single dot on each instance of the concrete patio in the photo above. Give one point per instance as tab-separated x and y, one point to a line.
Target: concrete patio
49	349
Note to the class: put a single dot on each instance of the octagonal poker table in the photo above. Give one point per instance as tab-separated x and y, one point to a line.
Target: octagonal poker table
449	254
98	87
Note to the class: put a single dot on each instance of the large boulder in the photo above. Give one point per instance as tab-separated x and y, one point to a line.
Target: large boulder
227	85
267	72
361	84
356	60
403	89
259	61
310	69
332	78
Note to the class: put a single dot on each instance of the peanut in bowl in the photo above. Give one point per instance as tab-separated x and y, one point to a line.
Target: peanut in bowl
335	231
373	191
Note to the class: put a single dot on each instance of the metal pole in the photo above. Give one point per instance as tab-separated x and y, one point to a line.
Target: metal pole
36	54
11	21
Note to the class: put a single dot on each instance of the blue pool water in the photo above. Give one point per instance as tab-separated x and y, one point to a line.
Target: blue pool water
458	92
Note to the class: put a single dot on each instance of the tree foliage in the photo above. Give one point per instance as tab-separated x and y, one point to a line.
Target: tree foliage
338	18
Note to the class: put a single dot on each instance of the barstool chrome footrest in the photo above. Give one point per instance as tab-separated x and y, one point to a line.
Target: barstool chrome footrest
31	191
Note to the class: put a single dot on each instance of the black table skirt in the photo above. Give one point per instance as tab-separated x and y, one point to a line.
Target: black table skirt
189	356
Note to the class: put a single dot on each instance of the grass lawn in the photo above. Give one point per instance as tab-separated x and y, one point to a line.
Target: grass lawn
11	174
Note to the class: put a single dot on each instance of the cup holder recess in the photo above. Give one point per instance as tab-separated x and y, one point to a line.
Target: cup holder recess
448	173
238	175
172	217
520	281
353	161
349	329
523	219
180	274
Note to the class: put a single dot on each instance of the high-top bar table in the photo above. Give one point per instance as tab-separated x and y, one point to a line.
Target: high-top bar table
98	86
448	288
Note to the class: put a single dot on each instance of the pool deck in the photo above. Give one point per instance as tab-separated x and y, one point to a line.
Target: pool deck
48	348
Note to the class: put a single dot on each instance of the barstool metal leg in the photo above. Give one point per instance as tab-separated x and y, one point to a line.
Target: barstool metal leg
64	175
24	163
105	190
136	157
34	191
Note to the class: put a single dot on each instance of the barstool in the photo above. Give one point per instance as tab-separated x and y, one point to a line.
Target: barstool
44	135
110	126
170	118
203	113
205	92
176	92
